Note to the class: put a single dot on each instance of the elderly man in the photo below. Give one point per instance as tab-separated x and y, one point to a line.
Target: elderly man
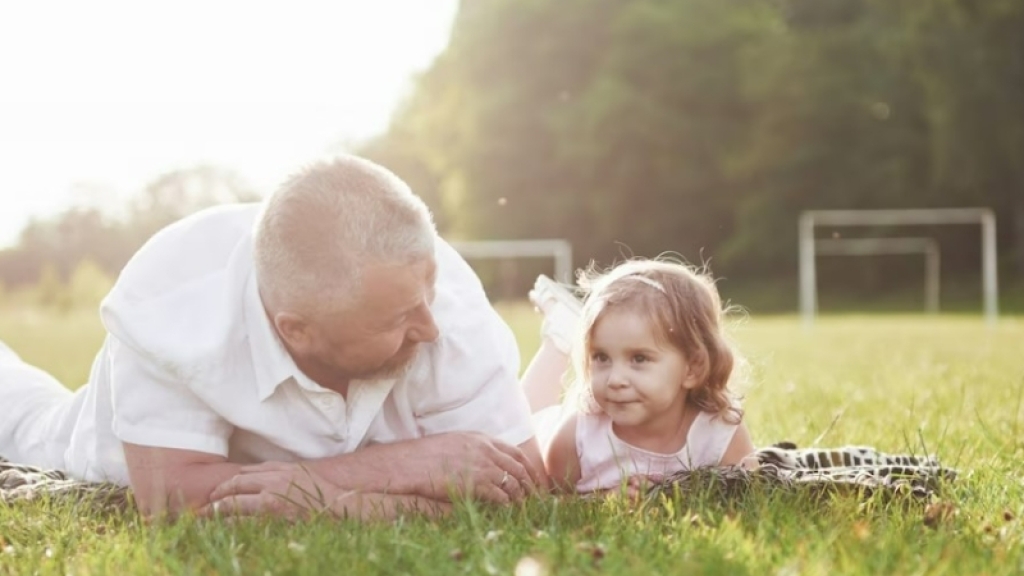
324	350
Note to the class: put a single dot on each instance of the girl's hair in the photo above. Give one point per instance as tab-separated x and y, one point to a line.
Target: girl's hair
686	312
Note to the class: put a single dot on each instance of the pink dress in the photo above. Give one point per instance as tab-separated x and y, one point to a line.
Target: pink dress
605	460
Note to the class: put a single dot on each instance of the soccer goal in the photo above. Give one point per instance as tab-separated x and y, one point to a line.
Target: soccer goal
871	246
810	247
557	249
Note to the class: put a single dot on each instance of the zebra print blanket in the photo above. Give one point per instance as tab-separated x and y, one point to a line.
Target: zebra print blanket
20	483
858	470
850	469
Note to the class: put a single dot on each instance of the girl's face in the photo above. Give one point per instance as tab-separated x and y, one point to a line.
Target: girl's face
638	380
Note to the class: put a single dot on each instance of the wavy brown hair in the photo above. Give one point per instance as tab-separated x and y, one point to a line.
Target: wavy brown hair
683	305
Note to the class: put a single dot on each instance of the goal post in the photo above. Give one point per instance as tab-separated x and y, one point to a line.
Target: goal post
871	246
558	249
809	220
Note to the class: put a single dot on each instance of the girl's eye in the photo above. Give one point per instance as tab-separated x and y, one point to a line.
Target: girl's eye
639	358
599	357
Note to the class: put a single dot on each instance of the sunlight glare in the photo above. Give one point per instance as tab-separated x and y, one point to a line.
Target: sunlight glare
101	97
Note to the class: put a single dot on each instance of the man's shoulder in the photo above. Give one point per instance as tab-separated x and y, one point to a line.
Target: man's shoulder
475	348
180	300
460	299
452	269
191	248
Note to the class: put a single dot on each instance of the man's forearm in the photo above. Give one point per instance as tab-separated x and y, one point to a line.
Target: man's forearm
413	474
170	481
374	469
439	466
191	486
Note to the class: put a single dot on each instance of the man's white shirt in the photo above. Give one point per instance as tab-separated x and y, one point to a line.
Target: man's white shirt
192	362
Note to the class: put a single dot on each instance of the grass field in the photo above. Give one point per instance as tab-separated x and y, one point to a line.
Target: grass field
947	385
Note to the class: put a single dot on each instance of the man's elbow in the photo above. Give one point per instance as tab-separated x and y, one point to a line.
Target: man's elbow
171	493
167	482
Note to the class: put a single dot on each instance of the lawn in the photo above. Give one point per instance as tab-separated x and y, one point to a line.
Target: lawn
947	385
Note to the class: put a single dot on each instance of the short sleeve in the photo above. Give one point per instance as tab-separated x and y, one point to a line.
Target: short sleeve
152	408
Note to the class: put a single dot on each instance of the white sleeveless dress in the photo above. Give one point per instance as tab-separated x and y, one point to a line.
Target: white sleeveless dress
606	460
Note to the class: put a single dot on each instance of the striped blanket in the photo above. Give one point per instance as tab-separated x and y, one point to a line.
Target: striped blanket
850	469
857	470
20	483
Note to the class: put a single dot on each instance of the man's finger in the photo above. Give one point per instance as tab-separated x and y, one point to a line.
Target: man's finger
243	505
492	468
243	484
511	486
491	493
253	505
225	488
229	487
535	478
518	482
475	485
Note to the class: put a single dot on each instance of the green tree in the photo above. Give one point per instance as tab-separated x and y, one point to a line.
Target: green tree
970	59
176	194
706	127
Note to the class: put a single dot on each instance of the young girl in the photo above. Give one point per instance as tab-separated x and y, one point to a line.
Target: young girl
652	371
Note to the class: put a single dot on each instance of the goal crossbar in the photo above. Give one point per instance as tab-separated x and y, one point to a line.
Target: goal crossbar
919	216
892	217
558	249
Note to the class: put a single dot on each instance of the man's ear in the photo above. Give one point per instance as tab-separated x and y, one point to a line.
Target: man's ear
294	330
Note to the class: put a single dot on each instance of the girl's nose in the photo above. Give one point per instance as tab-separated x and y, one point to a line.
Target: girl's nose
617	378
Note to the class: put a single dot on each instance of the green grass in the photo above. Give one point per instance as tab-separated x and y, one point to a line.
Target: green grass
949	385
959	295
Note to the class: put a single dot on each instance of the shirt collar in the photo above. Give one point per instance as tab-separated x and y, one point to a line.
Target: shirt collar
271	361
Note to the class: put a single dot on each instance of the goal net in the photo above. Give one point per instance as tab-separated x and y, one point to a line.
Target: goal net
810	247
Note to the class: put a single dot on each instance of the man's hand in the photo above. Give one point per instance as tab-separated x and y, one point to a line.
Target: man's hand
290	490
466	464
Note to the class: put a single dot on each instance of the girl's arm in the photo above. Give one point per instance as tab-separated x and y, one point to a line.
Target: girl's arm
561	460
739	448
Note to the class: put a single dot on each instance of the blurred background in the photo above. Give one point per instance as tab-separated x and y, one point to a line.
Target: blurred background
626	127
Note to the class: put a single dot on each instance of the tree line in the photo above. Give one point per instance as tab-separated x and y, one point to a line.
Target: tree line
705	127
702	127
83	243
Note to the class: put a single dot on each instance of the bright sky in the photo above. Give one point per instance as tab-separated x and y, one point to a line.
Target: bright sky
98	97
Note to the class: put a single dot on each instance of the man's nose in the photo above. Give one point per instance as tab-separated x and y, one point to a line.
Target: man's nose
425	329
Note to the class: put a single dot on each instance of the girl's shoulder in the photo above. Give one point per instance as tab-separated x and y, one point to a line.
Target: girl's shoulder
561	455
724	422
709	437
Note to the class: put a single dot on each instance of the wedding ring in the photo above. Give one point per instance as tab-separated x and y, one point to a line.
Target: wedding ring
504	478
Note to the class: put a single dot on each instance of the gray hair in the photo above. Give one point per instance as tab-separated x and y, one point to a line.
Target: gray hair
324	224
